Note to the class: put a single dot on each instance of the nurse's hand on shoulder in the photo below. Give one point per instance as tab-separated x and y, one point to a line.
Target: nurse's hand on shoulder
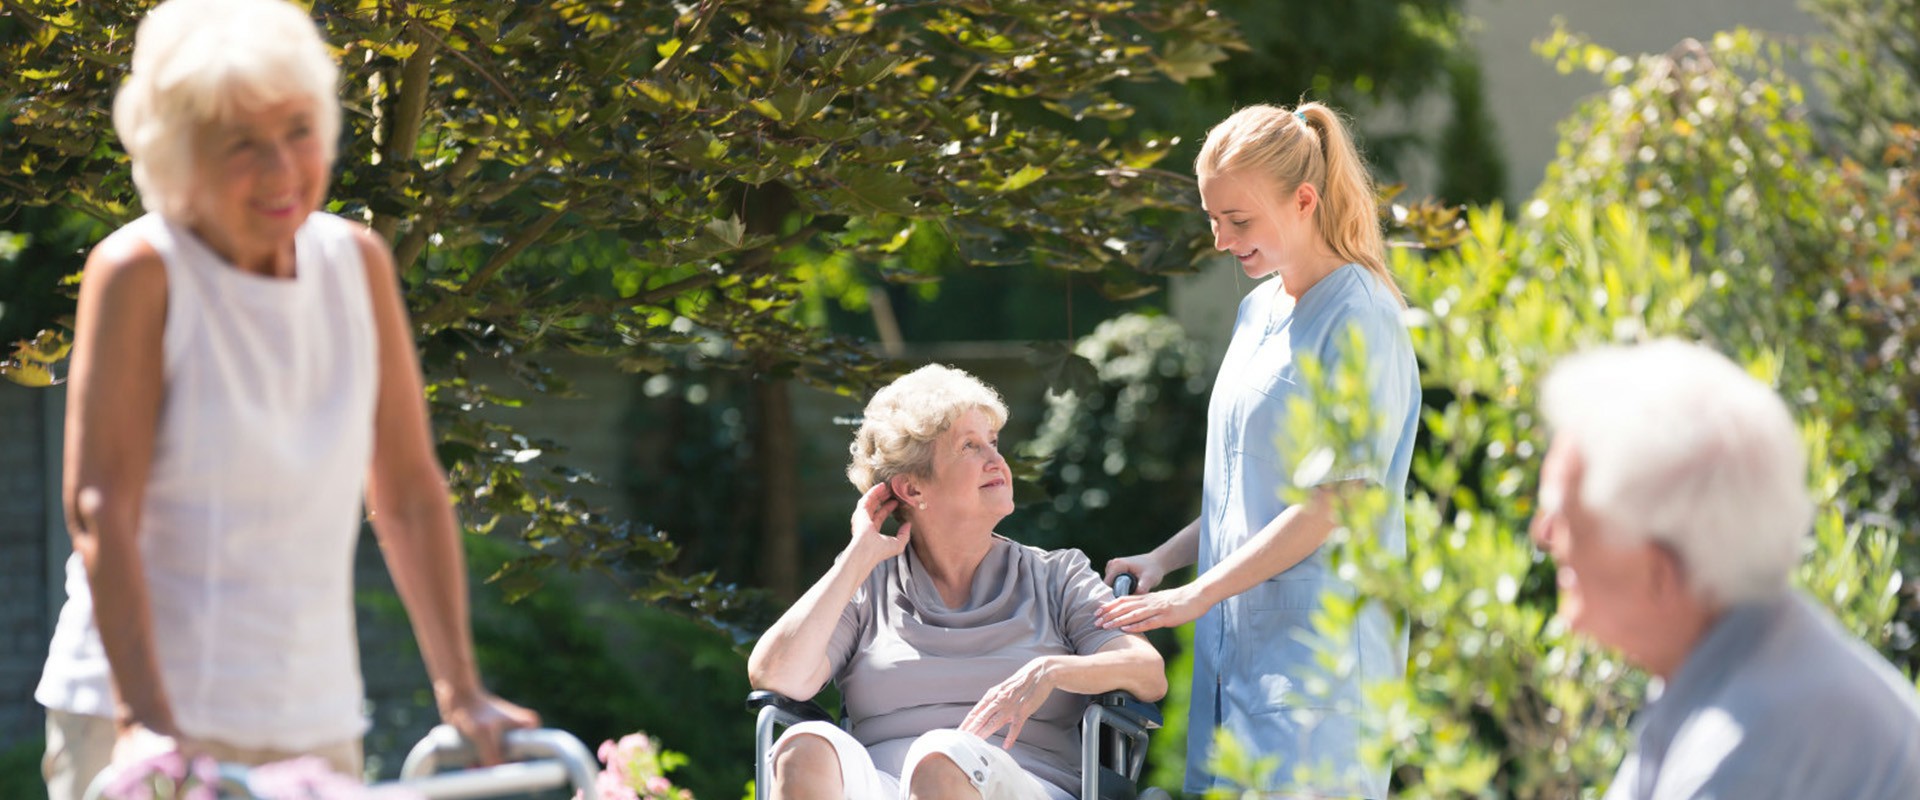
1144	612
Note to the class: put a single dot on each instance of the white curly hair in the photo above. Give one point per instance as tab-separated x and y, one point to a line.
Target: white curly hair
904	420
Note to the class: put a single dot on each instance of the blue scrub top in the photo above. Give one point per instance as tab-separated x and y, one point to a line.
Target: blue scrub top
1256	669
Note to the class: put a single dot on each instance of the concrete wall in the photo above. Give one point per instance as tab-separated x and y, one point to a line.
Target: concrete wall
1528	98
26	606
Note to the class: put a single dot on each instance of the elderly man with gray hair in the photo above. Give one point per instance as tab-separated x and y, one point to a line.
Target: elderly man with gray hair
1674	502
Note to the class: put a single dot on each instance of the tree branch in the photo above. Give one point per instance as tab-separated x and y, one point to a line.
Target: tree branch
498	85
506	254
695	32
442	311
408	110
415	242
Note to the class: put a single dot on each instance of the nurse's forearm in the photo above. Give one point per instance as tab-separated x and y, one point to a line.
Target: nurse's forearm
1180	551
1284	542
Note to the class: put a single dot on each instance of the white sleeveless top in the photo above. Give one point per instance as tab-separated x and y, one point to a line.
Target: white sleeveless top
253	503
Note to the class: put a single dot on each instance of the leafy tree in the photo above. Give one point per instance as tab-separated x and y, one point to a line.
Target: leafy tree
609	178
1383	61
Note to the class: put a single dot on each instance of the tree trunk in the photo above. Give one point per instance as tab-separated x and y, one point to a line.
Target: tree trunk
778	455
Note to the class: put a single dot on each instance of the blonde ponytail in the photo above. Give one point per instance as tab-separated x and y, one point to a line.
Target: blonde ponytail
1309	144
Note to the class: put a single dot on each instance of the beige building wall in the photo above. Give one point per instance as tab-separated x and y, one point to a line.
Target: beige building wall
1529	98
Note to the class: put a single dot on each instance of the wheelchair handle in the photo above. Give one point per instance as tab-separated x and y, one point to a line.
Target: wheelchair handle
1123	584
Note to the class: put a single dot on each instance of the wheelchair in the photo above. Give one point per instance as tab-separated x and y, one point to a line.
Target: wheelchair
1113	742
1113	737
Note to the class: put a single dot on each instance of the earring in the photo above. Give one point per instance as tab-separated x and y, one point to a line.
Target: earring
923	506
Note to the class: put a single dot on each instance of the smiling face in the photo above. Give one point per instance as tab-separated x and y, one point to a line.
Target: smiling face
257	175
1261	225
970	482
1614	588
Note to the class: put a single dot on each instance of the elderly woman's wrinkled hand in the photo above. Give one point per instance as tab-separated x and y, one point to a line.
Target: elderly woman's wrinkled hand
870	546
1009	704
483	719
1144	612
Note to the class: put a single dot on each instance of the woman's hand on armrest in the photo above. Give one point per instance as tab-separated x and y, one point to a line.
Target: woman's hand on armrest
1127	664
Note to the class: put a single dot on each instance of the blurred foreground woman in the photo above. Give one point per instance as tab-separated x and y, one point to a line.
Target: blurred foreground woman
243	378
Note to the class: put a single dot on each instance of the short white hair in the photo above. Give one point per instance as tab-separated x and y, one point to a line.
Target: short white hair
197	62
1680	446
903	421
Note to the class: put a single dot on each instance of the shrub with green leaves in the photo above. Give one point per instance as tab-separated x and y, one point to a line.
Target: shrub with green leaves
1807	252
1500	699
1122	452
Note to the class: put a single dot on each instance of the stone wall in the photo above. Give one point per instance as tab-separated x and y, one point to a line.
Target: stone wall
25	613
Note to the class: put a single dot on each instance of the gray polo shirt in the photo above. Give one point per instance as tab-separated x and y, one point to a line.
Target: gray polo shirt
1777	701
906	663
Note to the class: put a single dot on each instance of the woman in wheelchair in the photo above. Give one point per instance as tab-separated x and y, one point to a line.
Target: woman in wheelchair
965	659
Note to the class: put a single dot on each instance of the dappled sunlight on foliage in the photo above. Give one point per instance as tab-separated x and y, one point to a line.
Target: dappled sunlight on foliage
607	179
1808	253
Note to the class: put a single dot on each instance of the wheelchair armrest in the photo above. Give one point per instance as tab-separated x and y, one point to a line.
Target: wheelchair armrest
775	710
790	710
1125	707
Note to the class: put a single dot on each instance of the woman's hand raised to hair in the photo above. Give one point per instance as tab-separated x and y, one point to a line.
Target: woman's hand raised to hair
869	546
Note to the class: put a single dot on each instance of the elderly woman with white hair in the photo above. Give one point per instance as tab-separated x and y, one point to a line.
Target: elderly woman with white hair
243	376
1674	503
965	659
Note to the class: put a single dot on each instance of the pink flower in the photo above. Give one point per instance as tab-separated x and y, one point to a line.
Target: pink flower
610	787
635	771
135	780
616	762
311	777
635	743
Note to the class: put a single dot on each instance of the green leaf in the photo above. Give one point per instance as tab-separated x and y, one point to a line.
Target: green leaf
1019	180
730	231
879	190
1066	372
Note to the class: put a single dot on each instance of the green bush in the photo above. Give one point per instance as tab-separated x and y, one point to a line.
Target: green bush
1501	701
20	769
1123	456
601	667
1808	254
